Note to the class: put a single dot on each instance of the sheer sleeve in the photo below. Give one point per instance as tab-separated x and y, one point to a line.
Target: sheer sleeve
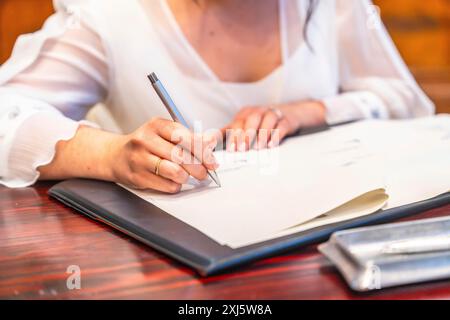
47	86
374	80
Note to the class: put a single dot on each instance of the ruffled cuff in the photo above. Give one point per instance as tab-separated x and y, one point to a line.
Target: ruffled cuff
33	144
354	106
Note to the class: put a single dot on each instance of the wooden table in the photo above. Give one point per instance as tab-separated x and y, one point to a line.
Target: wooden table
40	238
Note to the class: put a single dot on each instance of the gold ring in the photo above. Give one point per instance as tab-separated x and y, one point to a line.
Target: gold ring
158	164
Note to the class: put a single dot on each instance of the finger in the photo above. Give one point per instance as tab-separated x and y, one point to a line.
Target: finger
219	136
240	140
224	130
208	157
268	123
148	162
226	135
178	155
236	140
173	171
169	170
280	132
147	180
233	135
197	144
196	169
167	150
252	125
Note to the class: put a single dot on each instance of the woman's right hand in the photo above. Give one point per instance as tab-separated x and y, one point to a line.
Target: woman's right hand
132	159
176	151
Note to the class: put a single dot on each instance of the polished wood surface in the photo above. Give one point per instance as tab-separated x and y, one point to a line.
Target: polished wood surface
40	238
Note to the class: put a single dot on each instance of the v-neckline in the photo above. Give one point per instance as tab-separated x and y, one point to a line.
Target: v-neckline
199	59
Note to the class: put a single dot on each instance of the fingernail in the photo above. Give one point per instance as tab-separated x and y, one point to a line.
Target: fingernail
242	147
232	147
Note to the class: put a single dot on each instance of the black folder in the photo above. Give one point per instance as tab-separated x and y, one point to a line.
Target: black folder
122	210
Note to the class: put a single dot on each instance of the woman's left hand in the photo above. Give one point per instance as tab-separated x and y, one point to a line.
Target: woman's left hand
266	127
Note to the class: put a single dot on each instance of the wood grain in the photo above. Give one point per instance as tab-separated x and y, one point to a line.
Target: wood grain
40	238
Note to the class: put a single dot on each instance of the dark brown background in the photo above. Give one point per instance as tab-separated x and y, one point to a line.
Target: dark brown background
421	30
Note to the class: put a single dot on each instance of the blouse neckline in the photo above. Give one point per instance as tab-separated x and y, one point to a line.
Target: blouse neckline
207	69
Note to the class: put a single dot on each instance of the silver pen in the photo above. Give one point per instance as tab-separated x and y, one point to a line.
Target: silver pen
174	112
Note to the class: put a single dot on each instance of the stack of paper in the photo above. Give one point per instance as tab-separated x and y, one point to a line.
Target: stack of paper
309	181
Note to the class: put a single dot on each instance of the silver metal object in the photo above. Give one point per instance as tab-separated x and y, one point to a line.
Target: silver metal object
360	254
419	245
175	113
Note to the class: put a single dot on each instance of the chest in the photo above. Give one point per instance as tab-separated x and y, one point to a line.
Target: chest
240	45
158	47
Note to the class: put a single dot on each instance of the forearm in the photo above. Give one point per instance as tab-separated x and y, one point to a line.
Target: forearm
141	159
87	155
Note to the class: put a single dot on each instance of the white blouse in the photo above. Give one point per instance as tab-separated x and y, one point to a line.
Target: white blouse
93	51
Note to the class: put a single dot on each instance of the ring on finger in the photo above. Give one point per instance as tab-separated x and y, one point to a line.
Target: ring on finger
277	112
158	164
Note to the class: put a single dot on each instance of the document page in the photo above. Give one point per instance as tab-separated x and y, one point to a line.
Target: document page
414	155
265	192
317	179
364	205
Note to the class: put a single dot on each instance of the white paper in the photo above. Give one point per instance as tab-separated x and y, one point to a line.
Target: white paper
267	191
364	205
414	155
271	193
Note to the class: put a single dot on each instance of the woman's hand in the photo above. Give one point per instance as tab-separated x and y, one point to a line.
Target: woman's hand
266	127
160	155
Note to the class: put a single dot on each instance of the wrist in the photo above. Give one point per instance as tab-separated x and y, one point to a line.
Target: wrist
318	113
306	114
109	155
99	150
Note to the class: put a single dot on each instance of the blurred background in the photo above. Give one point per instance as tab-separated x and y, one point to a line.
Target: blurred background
421	30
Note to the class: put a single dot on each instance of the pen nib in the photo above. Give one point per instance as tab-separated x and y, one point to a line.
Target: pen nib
215	178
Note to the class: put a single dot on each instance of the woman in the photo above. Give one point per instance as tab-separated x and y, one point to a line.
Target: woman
264	69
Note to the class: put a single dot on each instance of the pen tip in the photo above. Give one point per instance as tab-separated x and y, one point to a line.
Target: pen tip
215	178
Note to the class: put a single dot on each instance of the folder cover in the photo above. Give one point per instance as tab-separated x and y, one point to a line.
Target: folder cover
124	211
